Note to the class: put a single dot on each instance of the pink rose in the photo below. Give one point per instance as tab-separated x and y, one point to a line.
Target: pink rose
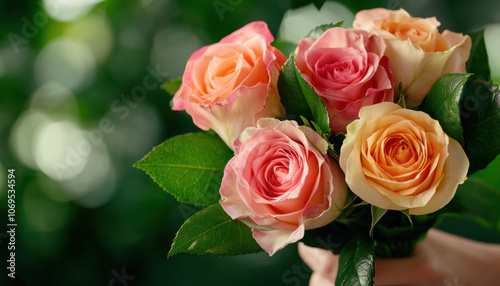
348	70
417	52
281	182
229	85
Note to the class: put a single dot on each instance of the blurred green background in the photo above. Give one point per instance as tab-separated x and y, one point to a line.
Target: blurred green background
72	131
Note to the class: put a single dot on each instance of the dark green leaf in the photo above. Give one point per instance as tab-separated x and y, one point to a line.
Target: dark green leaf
480	111
212	231
407	214
356	263
287	48
299	98
331	237
172	85
337	142
396	237
478	60
190	167
318	31
443	104
291	94
377	214
318	108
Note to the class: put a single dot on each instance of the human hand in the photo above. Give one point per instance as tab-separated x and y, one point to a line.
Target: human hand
440	259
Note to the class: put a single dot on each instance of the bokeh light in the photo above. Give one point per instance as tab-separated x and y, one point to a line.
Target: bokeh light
296	26
95	32
53	98
82	208
23	134
67	62
68	10
65	157
172	47
492	38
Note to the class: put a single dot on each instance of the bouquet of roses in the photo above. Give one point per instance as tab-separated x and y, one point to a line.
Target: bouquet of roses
354	143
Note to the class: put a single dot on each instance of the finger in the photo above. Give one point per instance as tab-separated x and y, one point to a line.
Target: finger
323	263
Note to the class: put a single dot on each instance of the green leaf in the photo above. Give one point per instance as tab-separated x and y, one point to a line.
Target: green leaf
478	60
443	104
287	48
468	110
212	231
319	30
337	142
407	214
291	94
401	100
318	108
395	237
377	214
480	111
299	98
356	263
477	198
172	85
190	167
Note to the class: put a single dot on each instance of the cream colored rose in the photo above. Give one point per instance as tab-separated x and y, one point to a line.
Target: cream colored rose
418	54
398	159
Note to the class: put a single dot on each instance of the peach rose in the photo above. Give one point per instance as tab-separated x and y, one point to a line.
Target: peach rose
418	54
348	70
229	85
281	182
398	159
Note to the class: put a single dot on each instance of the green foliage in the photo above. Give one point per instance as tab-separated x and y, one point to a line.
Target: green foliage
480	111
299	98
443	104
190	167
478	60
356	263
212	231
172	85
468	110
318	31
396	236
377	214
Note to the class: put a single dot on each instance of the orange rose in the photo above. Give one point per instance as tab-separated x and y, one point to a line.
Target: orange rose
418	54
230	85
398	159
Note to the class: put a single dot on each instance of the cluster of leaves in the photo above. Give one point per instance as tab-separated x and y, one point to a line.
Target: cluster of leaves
190	167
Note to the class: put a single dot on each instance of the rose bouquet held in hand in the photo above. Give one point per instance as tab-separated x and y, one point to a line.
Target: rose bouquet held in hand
359	137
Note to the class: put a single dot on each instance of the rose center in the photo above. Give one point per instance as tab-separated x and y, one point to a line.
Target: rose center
399	150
